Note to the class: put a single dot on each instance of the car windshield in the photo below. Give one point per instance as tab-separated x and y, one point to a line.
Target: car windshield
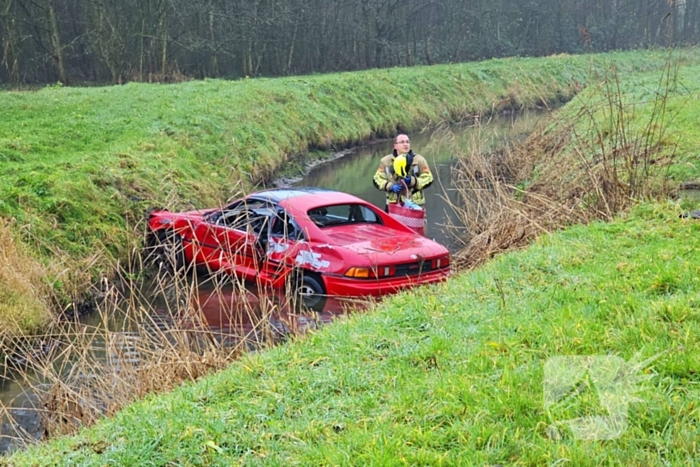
343	214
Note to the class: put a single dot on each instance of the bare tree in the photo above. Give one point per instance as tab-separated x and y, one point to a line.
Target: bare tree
118	40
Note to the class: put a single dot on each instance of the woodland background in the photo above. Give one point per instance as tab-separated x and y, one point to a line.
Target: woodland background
103	41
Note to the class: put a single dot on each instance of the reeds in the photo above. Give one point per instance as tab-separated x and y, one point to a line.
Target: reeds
590	164
146	335
161	323
23	291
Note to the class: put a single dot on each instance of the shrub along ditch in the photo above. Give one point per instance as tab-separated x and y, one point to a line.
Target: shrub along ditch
618	143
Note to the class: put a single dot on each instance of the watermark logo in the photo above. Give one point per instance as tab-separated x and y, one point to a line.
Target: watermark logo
591	394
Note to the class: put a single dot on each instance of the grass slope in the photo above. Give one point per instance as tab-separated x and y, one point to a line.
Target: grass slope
451	375
80	166
663	103
76	160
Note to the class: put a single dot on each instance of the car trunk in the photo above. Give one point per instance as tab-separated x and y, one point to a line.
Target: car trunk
382	245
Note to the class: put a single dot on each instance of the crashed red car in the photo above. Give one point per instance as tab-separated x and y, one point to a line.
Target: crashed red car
324	242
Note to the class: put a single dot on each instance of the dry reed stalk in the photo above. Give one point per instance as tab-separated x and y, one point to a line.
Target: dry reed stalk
493	218
126	354
135	347
594	166
23	292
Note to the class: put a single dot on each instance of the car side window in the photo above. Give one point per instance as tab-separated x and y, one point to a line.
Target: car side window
342	214
232	220
284	226
258	223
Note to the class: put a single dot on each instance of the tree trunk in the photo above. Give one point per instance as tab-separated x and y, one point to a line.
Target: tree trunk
10	48
56	40
428	56
164	50
248	58
674	22
163	36
214	60
107	38
409	57
687	14
694	14
291	48
141	51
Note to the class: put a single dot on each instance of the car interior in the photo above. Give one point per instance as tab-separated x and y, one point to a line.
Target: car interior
283	226
343	214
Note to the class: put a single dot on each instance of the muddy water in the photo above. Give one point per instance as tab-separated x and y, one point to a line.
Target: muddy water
252	319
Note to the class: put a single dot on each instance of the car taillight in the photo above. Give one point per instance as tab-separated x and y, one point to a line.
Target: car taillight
440	263
385	271
371	273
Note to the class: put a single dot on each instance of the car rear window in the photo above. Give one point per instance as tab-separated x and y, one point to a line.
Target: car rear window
342	214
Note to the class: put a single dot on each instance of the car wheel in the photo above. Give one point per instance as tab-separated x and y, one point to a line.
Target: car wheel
311	291
169	252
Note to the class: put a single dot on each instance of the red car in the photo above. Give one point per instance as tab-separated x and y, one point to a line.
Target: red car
323	242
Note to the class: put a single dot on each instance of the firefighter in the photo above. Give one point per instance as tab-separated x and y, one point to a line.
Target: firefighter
403	165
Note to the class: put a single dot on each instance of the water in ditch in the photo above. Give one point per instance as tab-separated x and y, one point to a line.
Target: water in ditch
354	171
247	318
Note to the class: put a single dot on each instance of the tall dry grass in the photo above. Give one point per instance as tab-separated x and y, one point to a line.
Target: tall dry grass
147	335
591	164
23	290
158	324
34	292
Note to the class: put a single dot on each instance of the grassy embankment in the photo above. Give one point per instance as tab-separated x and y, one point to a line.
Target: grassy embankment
454	374
80	166
645	112
451	375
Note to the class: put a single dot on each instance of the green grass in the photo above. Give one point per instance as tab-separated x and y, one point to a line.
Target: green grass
453	374
450	375
79	167
642	95
683	115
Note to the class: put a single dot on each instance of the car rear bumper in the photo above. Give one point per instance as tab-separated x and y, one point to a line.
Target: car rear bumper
345	286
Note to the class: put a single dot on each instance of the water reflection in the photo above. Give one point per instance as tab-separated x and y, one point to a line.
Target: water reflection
441	147
256	317
20	421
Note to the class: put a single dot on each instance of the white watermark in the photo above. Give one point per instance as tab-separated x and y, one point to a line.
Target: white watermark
580	385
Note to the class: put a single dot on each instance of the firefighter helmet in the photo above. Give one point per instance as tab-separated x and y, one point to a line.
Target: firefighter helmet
400	166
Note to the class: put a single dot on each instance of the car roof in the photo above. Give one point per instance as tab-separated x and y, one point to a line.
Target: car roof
305	198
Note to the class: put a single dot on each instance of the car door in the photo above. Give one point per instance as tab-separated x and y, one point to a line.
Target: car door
228	239
281	247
